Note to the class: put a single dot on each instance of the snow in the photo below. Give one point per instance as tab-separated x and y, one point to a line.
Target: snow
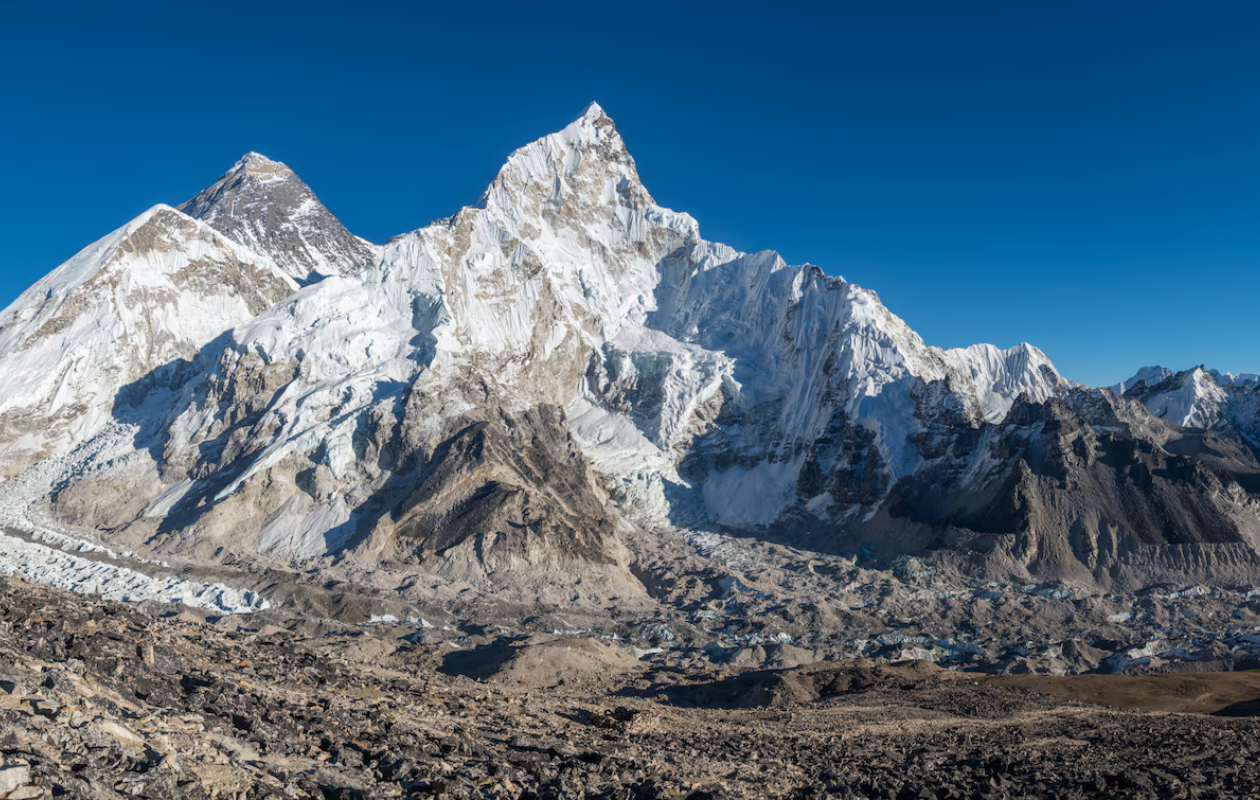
748	497
311	535
1192	400
1250	380
1201	398
35	549
46	565
1000	376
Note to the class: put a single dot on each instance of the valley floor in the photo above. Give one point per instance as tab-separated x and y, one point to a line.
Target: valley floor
105	700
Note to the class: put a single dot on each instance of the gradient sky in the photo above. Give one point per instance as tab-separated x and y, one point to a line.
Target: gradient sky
1081	175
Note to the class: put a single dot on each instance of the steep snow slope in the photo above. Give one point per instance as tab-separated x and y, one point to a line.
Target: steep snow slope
999	377
262	205
135	304
1190	399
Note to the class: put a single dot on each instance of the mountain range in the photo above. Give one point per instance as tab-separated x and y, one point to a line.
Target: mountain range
504	401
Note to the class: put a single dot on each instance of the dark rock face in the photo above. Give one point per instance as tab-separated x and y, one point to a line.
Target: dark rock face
515	482
1092	487
264	206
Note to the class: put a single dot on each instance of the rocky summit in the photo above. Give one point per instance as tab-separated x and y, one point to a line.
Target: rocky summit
556	498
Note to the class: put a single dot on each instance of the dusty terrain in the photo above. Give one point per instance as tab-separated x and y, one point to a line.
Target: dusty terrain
105	700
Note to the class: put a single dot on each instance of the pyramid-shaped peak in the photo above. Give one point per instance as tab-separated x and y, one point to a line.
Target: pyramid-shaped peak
263	205
593	111
592	123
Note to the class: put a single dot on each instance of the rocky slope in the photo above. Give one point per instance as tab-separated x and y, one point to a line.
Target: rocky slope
508	399
262	205
103	701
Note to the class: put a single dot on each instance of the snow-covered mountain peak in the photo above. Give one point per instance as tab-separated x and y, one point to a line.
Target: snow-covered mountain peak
1151	376
1190	398
265	206
994	378
589	149
1201	398
255	157
501	391
593	111
1243	379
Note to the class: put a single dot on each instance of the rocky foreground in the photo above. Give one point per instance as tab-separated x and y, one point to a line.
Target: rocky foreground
105	700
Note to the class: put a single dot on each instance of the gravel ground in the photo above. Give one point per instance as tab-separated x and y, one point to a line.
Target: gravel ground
104	700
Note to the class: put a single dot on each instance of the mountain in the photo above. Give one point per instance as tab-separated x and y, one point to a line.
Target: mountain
1086	487
1148	375
138	303
1244	379
507	399
263	205
1226	404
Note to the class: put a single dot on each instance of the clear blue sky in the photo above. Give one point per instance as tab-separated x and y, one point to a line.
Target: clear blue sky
1081	175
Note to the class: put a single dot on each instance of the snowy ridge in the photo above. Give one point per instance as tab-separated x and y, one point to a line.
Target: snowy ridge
1000	376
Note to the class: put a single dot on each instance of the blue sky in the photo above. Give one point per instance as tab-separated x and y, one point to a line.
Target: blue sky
1081	175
